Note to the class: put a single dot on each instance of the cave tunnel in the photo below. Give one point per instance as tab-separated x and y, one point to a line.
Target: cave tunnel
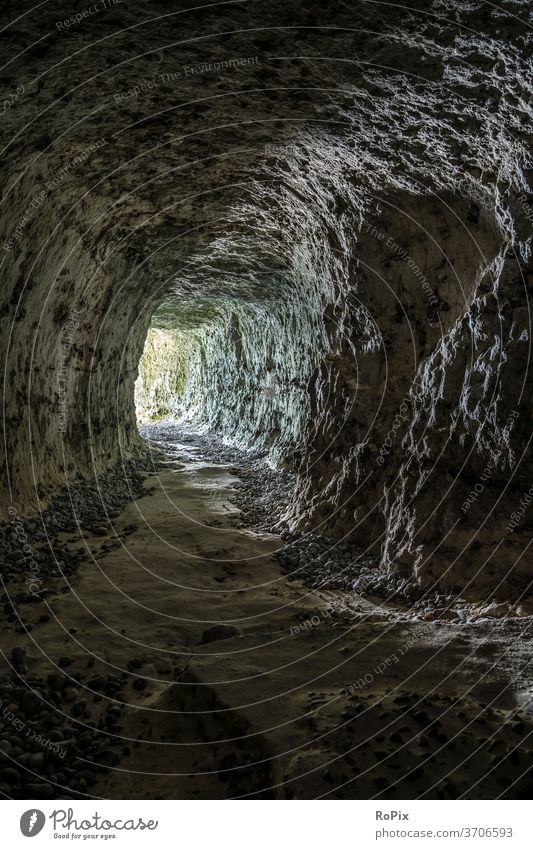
266	399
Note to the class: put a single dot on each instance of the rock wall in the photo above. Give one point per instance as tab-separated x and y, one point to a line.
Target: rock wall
333	205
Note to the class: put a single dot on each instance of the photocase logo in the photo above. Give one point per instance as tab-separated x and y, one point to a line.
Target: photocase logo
32	822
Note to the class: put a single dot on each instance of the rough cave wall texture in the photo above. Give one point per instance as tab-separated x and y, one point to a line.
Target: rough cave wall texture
334	203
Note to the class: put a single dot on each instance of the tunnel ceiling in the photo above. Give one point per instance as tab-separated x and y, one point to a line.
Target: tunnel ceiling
337	196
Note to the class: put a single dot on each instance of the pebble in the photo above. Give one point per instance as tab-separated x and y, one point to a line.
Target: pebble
30	704
10	775
34	772
88	505
18	655
40	790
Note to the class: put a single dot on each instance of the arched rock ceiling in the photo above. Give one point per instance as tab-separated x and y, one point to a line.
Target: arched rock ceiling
132	183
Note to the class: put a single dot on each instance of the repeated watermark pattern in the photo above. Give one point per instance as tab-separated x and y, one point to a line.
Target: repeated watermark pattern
282	150
11	99
51	185
36	201
391	659
526	209
34	581
518	515
401	418
476	491
186	72
401	253
73	163
22	727
88	12
312	622
67	341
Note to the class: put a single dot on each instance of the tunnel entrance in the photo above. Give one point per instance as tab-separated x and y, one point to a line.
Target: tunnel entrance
237	366
164	367
266	398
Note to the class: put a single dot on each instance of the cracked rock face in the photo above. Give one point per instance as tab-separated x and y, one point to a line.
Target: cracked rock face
327	212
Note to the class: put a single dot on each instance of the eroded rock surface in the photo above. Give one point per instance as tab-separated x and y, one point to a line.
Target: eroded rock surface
333	204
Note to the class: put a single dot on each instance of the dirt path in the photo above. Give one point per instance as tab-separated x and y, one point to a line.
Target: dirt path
236	681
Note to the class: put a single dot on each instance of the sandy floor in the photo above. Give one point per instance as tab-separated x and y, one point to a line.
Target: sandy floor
299	693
